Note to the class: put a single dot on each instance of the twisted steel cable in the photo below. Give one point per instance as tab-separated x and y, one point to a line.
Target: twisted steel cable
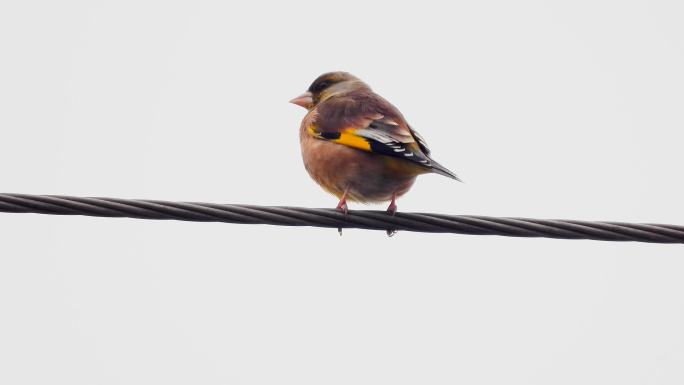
366	219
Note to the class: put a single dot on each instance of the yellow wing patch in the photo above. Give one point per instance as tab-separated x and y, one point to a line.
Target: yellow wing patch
351	140
346	137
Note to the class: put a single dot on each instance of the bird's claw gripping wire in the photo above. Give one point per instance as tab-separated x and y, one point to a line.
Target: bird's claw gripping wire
342	206
391	210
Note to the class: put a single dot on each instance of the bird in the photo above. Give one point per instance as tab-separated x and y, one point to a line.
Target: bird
358	146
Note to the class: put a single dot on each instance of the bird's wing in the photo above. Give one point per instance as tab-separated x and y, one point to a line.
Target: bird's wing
420	140
372	126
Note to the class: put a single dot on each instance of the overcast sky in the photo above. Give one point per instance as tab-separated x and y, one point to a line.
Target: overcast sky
566	110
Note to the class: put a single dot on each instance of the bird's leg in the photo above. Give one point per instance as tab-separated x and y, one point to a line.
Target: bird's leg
391	210
342	206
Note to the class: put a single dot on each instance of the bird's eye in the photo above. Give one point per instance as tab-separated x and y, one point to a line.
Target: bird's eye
322	85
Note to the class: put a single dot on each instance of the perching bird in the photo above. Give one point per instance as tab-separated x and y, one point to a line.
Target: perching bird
357	145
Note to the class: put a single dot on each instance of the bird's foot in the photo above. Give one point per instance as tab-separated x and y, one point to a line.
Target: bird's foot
391	210
342	207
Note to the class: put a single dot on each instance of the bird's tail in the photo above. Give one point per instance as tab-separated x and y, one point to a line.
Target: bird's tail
441	170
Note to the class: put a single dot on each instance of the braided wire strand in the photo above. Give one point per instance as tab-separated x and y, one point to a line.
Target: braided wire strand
362	219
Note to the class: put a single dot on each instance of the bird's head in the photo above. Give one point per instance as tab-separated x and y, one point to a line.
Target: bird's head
328	85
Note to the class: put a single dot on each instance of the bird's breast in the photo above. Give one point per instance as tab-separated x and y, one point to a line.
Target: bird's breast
369	177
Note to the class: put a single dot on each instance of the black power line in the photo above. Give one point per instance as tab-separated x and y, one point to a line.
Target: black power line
363	219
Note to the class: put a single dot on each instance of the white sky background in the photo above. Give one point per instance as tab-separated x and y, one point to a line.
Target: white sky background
566	110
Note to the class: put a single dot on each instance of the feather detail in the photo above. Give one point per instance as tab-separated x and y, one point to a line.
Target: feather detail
367	122
385	143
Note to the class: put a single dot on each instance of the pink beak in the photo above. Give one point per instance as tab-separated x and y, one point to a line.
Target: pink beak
305	100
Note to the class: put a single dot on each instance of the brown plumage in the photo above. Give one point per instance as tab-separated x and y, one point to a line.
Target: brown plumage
357	145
